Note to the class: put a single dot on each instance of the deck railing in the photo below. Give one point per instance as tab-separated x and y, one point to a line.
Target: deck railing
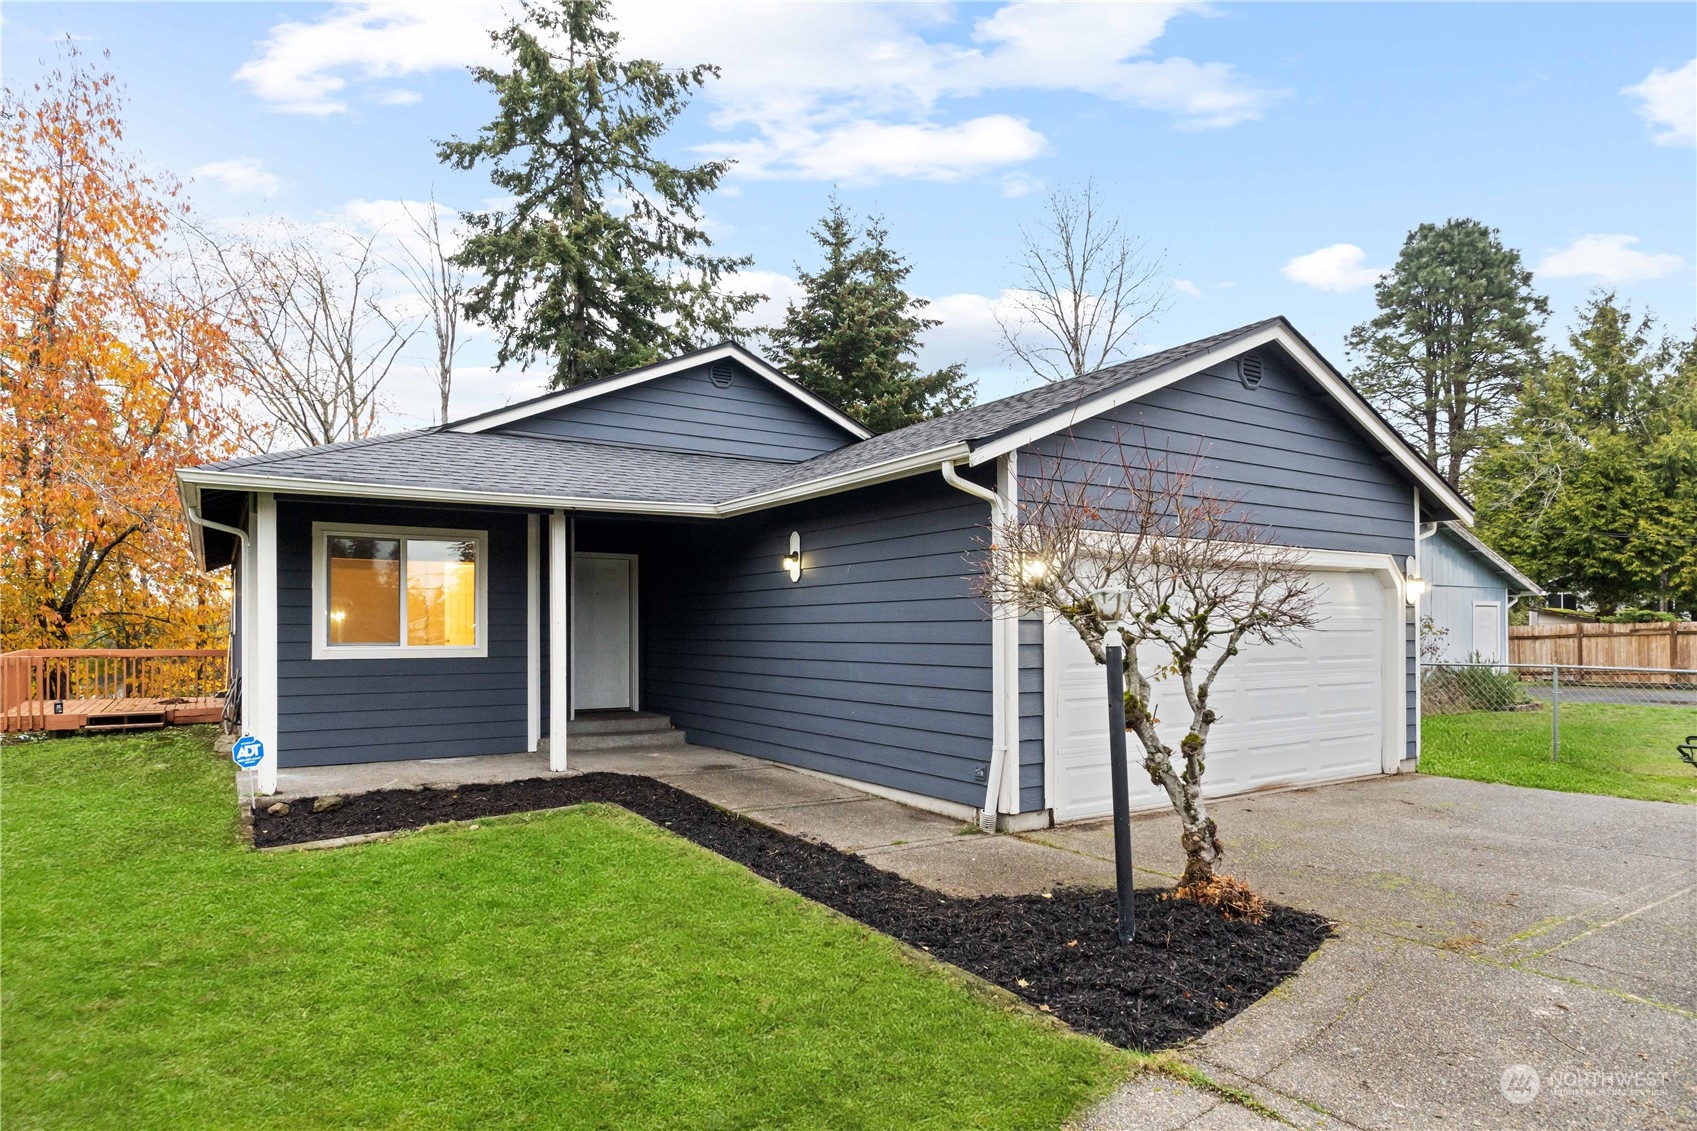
33	680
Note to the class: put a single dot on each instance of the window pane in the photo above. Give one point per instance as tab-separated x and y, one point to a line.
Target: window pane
441	592
365	590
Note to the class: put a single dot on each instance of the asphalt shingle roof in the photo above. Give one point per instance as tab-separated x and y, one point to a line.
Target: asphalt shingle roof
499	463
492	463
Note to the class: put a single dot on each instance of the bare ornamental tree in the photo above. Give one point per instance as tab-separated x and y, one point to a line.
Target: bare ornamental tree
1082	287
427	262
313	332
1202	581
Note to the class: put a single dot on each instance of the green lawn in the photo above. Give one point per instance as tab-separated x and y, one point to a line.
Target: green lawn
573	969
1619	750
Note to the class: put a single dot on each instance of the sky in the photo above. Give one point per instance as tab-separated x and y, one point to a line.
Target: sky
1274	155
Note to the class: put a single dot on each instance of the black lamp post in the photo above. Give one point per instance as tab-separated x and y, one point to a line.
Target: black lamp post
1110	605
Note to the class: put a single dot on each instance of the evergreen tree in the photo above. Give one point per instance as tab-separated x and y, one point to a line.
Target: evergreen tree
600	263
1456	334
1594	488
853	338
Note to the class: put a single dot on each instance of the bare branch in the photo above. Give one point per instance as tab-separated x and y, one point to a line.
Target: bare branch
1083	288
1202	581
440	283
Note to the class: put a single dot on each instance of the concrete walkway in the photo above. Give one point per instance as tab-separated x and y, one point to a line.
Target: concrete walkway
1481	927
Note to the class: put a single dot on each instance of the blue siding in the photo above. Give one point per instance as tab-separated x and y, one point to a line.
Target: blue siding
1459	578
874	666
1030	714
1292	457
687	412
337	711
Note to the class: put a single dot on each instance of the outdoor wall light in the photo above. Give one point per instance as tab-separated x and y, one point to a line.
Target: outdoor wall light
1033	570
1413	584
792	560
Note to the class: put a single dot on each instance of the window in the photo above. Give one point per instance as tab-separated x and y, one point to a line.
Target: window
386	591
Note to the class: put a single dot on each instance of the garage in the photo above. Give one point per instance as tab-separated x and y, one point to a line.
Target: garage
1322	707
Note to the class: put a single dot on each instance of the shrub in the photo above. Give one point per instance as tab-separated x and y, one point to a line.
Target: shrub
1450	690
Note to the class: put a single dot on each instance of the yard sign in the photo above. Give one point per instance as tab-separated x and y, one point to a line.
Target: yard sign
248	751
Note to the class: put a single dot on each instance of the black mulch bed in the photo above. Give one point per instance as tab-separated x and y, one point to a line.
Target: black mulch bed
1188	969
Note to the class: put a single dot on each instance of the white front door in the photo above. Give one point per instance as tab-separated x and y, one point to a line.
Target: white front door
604	632
1308	710
1487	632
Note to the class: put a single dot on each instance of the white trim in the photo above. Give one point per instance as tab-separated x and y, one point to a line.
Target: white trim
754	362
1312	363
532	631
259	684
634	564
1007	486
1051	703
322	649
559	642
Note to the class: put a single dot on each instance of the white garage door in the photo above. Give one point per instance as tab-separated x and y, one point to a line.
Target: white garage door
1306	711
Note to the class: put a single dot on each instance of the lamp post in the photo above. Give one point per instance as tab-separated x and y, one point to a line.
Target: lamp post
1110	606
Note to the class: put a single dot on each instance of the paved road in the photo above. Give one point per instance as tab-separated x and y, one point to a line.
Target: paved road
1481	927
1635	696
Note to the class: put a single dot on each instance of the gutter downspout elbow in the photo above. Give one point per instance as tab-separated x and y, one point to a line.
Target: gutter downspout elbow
195	517
998	680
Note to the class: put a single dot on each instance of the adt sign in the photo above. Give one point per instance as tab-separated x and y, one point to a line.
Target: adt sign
248	751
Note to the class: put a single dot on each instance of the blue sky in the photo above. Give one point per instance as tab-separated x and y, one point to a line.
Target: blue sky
1277	153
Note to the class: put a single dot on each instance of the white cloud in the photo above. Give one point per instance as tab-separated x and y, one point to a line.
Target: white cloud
398	97
301	67
1336	268
1668	102
812	78
1609	259
1186	287
244	176
866	150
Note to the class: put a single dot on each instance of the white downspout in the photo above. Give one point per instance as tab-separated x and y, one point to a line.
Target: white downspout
1422	531
998	658
247	594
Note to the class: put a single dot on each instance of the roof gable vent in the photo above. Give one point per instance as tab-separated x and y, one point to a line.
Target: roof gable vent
1249	370
722	373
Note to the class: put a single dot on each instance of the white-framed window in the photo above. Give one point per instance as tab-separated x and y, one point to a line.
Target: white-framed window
381	592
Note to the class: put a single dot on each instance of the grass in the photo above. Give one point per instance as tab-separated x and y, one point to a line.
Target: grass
574	969
1623	751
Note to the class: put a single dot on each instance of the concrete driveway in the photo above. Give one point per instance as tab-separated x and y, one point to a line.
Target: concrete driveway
1481	927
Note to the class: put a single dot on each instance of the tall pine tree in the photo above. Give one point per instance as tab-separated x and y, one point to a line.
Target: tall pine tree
600	263
1456	335
853	338
1594	488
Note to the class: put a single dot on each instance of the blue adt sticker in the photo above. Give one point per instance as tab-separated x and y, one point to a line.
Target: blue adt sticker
248	751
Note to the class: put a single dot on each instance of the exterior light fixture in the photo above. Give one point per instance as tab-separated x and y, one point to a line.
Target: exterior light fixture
1111	604
792	560
1413	584
1033	570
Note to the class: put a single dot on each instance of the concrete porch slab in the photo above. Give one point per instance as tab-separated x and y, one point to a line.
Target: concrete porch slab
852	826
364	777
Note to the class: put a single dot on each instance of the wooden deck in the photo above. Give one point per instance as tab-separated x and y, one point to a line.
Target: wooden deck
69	715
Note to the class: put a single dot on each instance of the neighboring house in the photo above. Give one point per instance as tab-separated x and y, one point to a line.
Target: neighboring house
706	539
1472	589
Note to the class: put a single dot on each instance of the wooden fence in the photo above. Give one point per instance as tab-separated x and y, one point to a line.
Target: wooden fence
1670	644
40	687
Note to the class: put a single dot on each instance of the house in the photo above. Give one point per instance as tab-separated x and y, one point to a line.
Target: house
705	539
1471	589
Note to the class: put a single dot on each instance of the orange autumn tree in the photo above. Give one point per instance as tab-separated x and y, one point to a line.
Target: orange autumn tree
111	376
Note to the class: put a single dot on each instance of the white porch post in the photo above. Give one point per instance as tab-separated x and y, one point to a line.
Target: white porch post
1007	484
259	682
559	642
533	632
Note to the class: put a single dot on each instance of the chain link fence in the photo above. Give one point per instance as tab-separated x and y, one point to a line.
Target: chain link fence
1633	719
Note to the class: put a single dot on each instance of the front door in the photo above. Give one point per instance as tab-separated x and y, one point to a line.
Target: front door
604	632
